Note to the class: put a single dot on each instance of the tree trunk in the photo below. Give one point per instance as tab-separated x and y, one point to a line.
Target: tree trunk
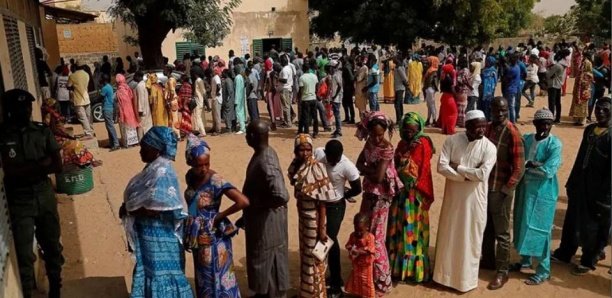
151	34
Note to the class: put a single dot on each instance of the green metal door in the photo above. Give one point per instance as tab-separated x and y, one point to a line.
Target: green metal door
257	47
183	47
286	43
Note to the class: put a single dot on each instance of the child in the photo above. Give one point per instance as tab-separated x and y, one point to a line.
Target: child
361	248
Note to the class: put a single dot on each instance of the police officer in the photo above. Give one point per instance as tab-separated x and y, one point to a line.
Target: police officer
29	154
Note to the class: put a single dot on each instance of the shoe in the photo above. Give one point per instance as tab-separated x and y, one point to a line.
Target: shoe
498	282
352	121
327	129
580	270
557	260
529	105
334	293
346	121
115	148
240	132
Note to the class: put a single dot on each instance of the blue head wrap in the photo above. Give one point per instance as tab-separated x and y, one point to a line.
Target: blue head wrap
196	147
490	61
163	139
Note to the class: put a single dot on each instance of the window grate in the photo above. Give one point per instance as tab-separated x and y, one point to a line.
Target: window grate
31	46
14	46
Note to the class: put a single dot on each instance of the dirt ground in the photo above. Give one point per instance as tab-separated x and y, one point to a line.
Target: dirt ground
98	264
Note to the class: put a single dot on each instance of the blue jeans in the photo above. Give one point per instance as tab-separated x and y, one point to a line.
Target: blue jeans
484	104
321	109
336	109
510	96
373	101
109	121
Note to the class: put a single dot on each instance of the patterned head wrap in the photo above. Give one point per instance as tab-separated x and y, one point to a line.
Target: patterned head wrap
362	132
301	139
490	61
415	119
543	114
587	66
196	147
163	139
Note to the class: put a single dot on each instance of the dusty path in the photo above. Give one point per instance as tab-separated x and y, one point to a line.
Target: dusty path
98	265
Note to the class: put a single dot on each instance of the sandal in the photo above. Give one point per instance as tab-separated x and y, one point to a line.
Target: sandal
535	280
517	267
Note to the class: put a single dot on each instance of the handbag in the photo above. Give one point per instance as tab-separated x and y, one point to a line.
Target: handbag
193	104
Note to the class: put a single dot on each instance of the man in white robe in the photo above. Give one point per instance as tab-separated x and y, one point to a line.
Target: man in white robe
142	103
466	161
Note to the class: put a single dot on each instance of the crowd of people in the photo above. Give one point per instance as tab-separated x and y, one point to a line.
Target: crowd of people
490	168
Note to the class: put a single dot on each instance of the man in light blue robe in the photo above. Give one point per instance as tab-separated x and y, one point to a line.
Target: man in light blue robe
240	100
536	198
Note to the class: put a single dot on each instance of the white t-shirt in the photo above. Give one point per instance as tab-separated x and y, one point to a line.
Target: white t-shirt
339	174
217	81
287	73
476	80
532	73
62	89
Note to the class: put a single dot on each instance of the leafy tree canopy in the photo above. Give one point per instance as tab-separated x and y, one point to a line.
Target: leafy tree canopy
466	22
207	21
593	17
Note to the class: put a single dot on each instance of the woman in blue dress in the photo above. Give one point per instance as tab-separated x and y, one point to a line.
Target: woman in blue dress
208	231
152	214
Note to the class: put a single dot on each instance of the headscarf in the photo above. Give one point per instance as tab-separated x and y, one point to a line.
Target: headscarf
415	119
490	61
434	63
196	147
301	139
587	66
477	68
163	139
310	177
362	132
448	69
121	83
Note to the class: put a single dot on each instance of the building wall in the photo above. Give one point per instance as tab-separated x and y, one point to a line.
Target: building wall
49	33
25	13
86	38
254	19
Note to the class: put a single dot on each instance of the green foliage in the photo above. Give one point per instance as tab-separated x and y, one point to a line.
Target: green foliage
593	17
467	22
208	21
560	26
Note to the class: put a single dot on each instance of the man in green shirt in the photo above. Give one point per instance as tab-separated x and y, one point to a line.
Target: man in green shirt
29	153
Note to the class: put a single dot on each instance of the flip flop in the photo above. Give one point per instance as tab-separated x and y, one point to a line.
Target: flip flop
535	280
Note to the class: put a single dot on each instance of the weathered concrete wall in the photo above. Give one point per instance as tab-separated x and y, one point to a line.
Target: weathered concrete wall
254	19
86	38
49	33
25	10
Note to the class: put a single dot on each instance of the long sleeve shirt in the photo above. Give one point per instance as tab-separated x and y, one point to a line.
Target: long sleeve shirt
510	165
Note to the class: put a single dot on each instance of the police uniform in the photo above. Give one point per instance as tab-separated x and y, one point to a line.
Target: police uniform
32	204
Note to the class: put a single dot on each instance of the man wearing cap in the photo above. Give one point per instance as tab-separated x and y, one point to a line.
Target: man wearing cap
504	178
466	161
537	193
29	153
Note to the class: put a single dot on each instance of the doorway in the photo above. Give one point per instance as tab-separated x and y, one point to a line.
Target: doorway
268	42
